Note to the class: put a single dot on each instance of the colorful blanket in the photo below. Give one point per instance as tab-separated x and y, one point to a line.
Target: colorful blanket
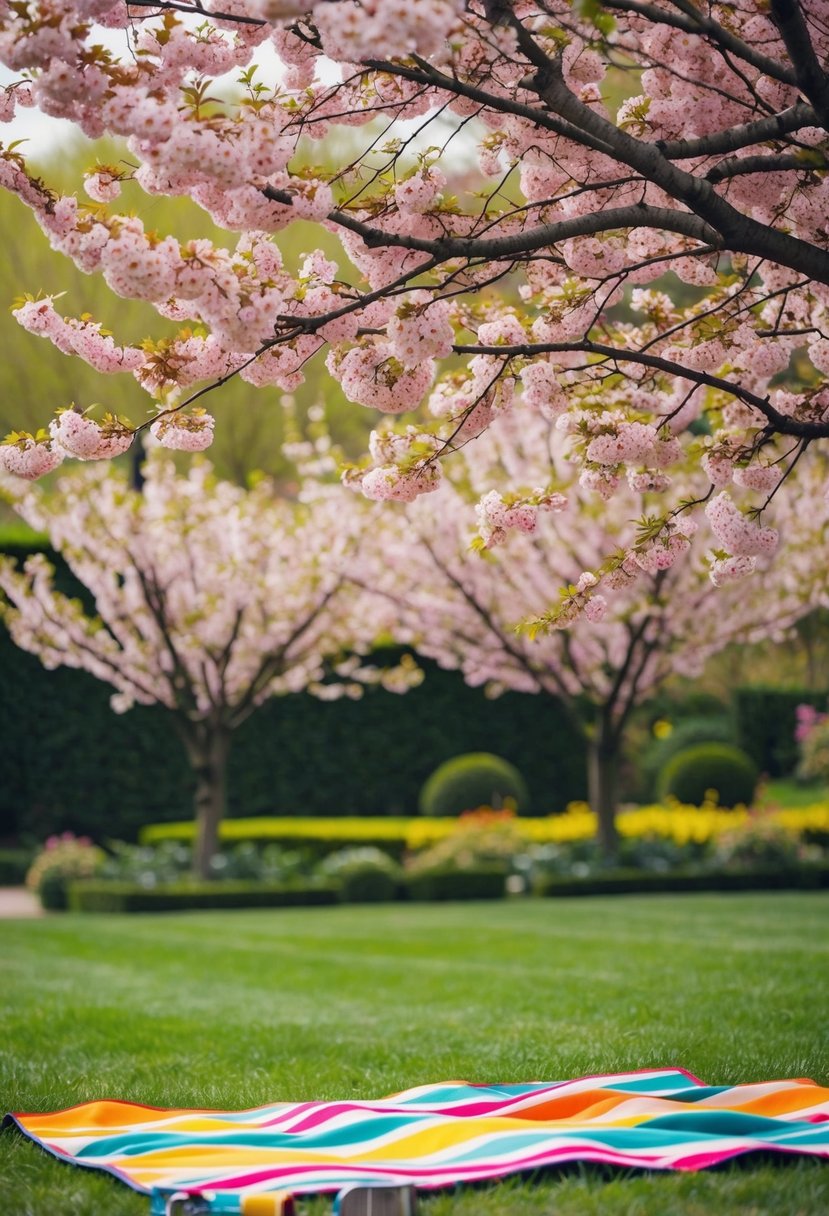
435	1135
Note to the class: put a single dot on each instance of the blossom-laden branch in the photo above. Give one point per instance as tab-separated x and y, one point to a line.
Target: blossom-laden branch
662	260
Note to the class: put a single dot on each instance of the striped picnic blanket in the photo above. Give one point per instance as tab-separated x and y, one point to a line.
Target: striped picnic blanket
435	1135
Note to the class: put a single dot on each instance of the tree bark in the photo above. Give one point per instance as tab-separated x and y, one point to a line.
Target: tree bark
208	751
602	785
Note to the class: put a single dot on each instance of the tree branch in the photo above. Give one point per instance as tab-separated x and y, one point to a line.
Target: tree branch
809	75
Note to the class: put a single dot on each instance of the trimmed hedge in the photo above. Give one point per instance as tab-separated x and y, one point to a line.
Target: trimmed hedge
14	865
710	766
766	723
367	885
99	895
716	728
93	895
467	782
316	837
482	882
70	764
640	882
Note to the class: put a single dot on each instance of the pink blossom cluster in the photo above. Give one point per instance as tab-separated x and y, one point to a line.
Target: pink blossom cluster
86	439
184	432
421	329
497	515
807	718
739	535
404	467
83	338
371	374
390	28
30	458
662	551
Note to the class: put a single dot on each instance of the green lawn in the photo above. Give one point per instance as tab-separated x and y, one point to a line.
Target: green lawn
242	1008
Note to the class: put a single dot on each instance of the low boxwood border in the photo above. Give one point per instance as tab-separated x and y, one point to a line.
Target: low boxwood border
439	885
639	882
98	895
480	882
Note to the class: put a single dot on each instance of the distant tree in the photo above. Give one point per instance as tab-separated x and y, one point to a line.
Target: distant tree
209	599
610	647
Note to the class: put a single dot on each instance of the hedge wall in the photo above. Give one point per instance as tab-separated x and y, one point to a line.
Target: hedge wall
69	763
766	722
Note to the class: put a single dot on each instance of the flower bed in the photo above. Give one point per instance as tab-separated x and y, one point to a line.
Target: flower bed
482	855
676	822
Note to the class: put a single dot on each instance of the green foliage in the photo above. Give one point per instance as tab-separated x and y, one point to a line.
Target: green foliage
478	882
466	782
766	720
710	766
685	733
169	861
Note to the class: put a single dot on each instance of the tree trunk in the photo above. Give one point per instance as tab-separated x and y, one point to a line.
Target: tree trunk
208	751
602	775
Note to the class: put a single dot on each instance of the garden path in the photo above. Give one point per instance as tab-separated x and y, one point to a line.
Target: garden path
16	903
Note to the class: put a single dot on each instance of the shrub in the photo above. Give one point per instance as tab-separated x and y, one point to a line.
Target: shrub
62	859
368	885
477	779
478	838
759	843
170	860
710	766
687	732
363	875
482	882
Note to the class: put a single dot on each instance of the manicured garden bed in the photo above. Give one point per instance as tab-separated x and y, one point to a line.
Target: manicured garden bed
234	1009
396	835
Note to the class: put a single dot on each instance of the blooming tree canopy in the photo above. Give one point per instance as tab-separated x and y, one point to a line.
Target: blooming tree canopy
656	615
645	180
209	599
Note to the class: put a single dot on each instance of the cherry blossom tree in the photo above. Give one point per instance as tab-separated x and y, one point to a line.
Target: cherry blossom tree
646	177
658	614
209	599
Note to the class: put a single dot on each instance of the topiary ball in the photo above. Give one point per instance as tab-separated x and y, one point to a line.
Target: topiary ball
710	766
467	782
